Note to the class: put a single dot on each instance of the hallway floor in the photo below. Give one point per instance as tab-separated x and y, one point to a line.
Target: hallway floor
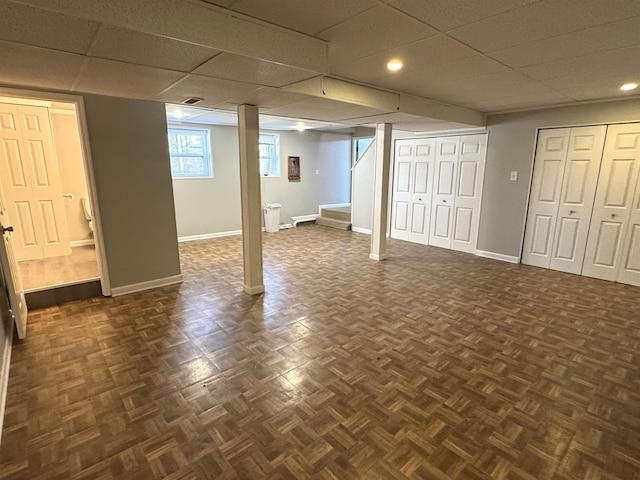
431	365
82	264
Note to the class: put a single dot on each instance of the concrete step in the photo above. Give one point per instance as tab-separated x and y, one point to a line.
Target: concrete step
339	213
333	223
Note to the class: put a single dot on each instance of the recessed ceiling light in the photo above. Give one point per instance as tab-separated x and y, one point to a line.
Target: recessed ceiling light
629	86
394	65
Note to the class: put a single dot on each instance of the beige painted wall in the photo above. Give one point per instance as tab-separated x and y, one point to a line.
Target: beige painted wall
130	157
206	206
511	146
72	175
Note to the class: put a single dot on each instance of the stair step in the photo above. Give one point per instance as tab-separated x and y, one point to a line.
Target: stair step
339	213
333	223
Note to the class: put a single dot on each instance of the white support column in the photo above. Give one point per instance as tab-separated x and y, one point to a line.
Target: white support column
248	133
381	192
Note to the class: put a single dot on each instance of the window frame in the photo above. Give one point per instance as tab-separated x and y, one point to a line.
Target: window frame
208	154
277	154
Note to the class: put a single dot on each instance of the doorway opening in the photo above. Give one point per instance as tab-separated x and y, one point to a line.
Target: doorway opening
46	195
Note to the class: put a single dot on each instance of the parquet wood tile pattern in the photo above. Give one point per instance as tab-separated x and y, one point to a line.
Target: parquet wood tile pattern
431	365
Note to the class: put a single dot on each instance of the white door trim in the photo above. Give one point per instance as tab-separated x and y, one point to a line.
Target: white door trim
88	164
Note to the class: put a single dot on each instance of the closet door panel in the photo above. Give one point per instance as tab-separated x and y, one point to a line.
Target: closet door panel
544	201
402	171
468	192
446	160
576	198
421	186
612	211
630	269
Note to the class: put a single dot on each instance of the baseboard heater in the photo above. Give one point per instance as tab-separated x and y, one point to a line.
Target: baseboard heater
304	218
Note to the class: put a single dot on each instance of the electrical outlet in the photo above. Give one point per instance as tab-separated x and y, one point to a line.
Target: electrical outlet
514	176
317	172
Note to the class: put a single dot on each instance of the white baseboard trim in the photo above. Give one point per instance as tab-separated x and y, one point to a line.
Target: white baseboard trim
361	230
304	218
498	256
332	205
138	287
4	374
376	257
206	236
285	226
82	243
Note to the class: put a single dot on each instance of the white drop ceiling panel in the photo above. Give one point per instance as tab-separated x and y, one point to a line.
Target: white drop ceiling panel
252	70
486	86
212	90
517	102
221	3
472	67
124	45
622	60
107	77
542	20
32	26
584	42
596	92
428	52
376	30
302	16
445	14
38	67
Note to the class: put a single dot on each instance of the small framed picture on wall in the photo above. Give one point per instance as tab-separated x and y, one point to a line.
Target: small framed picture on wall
294	168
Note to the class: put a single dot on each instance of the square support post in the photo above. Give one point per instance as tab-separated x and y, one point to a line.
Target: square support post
381	192
248	135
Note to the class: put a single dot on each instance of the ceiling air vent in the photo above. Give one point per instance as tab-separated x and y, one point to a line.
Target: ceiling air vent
191	100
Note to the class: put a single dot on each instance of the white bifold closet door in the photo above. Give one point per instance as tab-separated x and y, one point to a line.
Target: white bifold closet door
412	183
457	191
563	188
613	247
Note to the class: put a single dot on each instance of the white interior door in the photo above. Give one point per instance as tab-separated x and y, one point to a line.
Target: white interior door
31	183
402	173
421	185
445	169
630	268
613	204
546	187
576	199
11	273
468	192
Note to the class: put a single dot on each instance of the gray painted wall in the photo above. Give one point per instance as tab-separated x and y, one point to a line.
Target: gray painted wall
363	185
206	206
511	146
130	155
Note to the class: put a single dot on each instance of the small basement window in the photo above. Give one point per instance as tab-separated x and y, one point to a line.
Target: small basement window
269	144
190	151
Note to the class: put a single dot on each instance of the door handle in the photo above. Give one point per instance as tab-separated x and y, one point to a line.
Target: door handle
419	199
613	215
69	196
571	212
7	229
444	201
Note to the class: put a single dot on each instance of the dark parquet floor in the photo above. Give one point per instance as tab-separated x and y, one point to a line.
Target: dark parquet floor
431	365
